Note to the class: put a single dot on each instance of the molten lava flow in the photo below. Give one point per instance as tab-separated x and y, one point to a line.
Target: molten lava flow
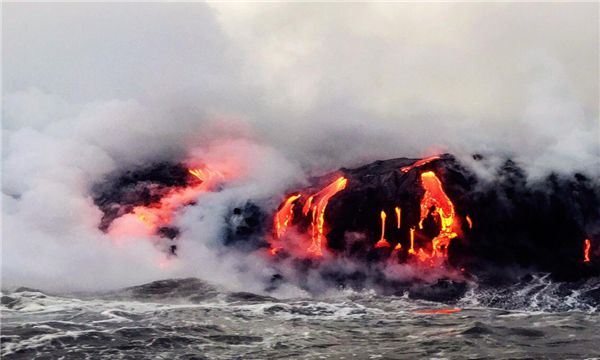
586	250
285	215
435	202
436	198
398	213
198	173
323	197
382	241
419	163
411	250
205	174
307	205
423	256
160	213
469	222
316	205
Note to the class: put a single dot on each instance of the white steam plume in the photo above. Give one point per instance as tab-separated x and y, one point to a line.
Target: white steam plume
94	88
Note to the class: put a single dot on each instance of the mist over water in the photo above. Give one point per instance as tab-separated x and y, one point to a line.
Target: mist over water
283	91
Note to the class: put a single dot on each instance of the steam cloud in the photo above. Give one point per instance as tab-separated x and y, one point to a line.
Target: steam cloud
288	90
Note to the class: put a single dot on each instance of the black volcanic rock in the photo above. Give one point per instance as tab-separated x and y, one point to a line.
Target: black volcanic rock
379	186
441	291
191	289
517	223
246	226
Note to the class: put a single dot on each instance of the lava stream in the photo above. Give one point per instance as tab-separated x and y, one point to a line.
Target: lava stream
586	250
284	216
316	205
435	198
418	163
382	241
319	213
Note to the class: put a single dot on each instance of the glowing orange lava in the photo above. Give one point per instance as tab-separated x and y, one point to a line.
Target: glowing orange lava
434	203
382	241
205	174
161	213
586	250
323	197
423	256
315	204
411	250
285	215
435	198
198	173
469	222
419	163
438	311
307	205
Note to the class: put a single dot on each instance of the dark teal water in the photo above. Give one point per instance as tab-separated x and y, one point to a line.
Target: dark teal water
189	319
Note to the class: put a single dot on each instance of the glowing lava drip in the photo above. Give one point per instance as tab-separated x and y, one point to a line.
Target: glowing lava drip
586	250
382	241
469	221
411	250
437	202
398	211
315	203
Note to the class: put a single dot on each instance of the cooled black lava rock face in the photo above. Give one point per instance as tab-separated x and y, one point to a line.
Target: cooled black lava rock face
246	227
532	226
541	225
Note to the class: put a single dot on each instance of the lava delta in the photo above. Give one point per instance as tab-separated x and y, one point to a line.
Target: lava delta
428	213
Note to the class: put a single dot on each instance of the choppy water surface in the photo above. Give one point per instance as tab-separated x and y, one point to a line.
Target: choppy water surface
191	320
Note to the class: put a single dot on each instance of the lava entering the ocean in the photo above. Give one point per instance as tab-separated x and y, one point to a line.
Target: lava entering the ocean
417	212
158	213
284	215
316	205
318	213
437	202
434	204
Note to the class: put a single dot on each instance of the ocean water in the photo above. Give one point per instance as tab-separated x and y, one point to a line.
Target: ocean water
189	319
